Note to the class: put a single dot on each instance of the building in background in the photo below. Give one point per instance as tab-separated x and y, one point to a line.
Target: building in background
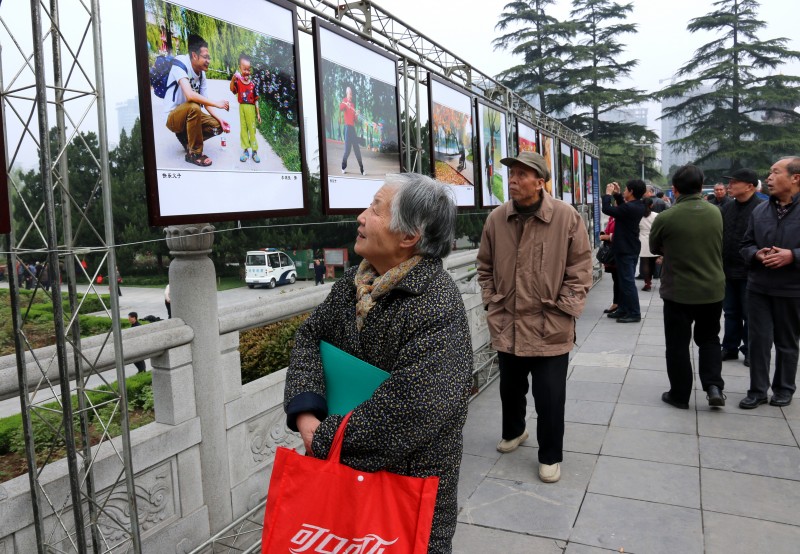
127	114
670	156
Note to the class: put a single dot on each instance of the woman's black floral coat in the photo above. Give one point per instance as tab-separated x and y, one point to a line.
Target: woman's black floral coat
418	333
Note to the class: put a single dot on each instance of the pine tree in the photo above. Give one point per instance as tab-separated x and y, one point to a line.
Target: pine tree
743	114
597	71
543	42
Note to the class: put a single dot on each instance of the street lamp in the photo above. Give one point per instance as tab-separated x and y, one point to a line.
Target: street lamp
643	145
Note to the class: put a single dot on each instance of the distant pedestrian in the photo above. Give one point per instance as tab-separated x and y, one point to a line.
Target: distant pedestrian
168	302
133	319
720	197
689	236
30	276
647	260
735	218
119	282
319	272
626	245
771	246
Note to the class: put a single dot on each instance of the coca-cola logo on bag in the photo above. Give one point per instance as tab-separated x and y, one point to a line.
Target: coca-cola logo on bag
314	539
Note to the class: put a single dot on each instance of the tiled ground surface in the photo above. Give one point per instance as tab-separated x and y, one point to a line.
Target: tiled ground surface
638	475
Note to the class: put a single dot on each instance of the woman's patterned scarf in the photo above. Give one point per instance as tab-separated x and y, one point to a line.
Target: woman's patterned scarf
370	286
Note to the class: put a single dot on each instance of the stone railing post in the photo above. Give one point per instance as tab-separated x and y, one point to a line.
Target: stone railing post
193	293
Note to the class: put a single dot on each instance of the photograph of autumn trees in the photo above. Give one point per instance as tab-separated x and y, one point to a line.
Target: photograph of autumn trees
452	145
526	138
546	144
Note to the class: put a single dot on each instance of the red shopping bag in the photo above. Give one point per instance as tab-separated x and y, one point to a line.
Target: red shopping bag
318	505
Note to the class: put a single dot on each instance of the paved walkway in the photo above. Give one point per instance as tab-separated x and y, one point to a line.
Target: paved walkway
638	476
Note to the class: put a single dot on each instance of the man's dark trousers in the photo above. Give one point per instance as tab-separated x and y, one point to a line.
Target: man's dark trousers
626	273
549	388
773	319
678	320
735	309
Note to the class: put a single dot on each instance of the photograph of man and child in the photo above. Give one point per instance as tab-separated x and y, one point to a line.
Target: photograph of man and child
223	96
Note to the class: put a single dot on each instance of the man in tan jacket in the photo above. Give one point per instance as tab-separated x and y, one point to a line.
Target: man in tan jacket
534	268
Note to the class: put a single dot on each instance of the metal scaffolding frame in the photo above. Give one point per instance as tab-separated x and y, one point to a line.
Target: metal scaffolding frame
59	396
55	392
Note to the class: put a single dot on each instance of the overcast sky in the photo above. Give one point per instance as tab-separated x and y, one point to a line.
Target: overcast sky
661	45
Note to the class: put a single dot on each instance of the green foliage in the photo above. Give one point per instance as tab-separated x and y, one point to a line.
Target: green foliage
734	103
46	421
267	349
544	43
281	134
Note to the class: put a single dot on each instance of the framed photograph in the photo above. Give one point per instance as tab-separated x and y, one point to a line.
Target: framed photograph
493	148
596	198
452	136
219	94
577	182
527	139
546	143
565	172
358	115
5	208
587	178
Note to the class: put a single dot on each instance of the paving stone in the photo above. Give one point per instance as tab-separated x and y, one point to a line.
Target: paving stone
651	350
598	374
753	496
792	411
590	390
648	362
522	465
647	377
734	368
473	470
602	360
641	444
637	526
745	428
586	411
575	548
655	419
794	425
646	395
725	534
769	460
653	331
735	384
649	481
540	509
593	346
652	340
472	539
582	437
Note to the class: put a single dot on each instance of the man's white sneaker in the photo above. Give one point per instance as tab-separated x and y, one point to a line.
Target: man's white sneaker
506	446
344	172
549	473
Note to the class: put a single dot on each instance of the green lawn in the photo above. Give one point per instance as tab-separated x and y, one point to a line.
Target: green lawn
160	281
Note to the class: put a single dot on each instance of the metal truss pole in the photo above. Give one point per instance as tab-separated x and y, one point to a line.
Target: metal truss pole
52	261
108	216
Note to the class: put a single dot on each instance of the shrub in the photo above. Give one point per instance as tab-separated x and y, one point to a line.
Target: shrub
267	349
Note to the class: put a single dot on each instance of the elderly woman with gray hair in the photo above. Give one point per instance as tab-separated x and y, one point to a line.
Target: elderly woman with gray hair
400	311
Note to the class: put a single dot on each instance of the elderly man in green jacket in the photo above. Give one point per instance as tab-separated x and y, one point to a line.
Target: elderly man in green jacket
689	236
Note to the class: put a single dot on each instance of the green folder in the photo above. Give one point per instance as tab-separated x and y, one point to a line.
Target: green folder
349	381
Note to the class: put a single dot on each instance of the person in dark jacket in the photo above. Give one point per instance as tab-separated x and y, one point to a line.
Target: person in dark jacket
400	311
689	236
720	197
771	246
133	319
735	216
626	245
